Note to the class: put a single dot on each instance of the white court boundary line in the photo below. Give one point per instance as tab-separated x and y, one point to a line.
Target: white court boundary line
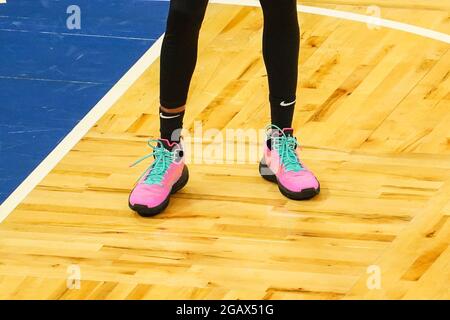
77	133
80	129
391	24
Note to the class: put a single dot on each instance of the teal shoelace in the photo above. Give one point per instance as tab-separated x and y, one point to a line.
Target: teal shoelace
163	159
286	146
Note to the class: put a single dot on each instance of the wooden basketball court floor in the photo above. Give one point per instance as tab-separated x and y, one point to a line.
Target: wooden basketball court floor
374	121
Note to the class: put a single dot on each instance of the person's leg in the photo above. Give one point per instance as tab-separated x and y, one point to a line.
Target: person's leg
281	42
168	173
178	60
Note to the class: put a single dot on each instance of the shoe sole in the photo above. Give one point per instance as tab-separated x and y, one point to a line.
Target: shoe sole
147	212
305	194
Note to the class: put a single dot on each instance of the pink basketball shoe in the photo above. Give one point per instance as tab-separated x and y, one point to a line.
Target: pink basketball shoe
165	176
281	164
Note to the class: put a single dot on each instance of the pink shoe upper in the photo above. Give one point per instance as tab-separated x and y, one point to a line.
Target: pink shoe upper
284	161
156	183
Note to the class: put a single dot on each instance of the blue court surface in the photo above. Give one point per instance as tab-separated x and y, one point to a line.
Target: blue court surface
56	64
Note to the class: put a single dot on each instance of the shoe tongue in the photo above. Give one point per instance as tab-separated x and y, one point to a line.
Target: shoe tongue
167	144
288	131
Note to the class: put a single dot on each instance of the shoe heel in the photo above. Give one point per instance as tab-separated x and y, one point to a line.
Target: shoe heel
266	173
182	181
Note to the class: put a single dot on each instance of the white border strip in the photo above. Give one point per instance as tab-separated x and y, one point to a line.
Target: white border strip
370	20
136	71
80	130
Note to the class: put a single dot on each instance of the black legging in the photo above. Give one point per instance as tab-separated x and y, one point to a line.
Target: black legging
280	49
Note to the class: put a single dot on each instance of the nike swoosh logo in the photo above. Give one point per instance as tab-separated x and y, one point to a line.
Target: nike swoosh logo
169	117
287	104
